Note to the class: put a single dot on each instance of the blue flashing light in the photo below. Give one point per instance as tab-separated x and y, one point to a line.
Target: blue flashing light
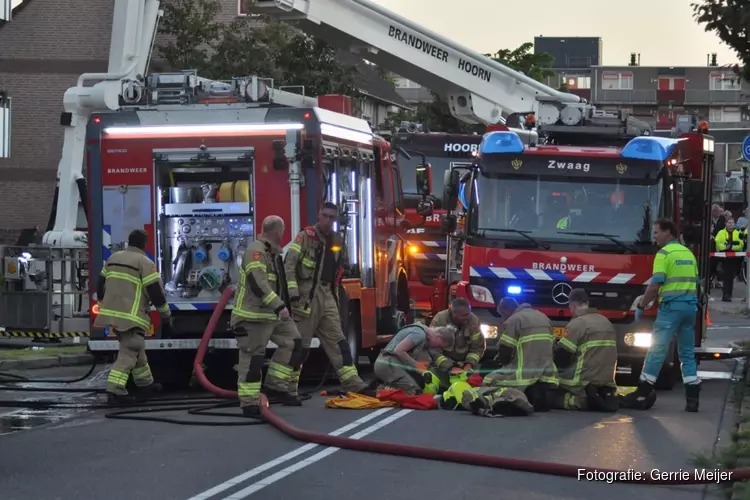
514	290
649	148
501	142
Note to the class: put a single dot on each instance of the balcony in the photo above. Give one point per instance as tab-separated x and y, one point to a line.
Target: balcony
670	96
625	97
711	97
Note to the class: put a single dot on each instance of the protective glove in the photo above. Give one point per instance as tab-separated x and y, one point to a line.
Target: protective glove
638	314
468	368
457	370
422	367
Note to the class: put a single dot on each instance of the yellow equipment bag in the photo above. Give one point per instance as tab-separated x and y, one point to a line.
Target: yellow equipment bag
234	191
625	390
354	401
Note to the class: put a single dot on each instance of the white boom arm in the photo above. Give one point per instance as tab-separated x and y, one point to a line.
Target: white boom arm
478	89
133	30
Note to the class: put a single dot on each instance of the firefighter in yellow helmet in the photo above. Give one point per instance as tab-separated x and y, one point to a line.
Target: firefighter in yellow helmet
128	284
261	314
586	358
314	265
524	353
486	401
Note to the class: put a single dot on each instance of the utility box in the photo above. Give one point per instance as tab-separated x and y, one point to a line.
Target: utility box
12	268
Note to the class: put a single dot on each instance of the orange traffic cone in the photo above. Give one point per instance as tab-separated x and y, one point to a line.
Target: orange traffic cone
708	319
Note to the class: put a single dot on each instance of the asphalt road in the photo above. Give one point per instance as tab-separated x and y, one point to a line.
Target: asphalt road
82	455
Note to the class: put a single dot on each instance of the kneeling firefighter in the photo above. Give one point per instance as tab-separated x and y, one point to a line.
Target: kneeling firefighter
586	358
314	266
524	353
261	314
398	365
128	284
454	362
486	401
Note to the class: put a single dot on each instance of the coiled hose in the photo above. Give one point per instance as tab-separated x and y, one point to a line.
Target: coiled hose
459	457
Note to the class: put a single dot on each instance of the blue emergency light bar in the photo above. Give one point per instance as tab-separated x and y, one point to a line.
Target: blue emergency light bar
514	290
503	141
649	148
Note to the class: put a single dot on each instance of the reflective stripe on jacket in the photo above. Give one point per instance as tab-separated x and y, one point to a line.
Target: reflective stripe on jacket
676	269
468	347
262	292
591	339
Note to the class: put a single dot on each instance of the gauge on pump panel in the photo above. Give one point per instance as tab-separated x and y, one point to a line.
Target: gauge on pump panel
186	229
215	230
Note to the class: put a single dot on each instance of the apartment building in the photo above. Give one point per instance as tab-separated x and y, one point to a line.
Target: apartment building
42	52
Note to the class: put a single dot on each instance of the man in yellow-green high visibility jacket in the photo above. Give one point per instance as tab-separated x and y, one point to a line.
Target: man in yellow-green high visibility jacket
261	314
675	282
128	284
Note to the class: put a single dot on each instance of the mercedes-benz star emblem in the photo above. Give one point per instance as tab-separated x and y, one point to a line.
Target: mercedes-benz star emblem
561	293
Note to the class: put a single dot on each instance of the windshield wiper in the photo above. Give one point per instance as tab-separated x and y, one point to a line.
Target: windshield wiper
603	235
525	234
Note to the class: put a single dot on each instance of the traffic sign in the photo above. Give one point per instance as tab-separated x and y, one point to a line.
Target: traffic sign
746	148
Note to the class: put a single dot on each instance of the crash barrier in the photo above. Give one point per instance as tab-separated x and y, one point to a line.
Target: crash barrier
44	292
547	468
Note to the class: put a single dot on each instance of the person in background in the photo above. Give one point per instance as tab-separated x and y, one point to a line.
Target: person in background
728	239
718	221
586	359
524	353
469	346
399	364
675	284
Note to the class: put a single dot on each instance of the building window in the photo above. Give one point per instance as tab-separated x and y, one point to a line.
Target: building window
403	83
617	81
242	10
4	125
725	114
724	81
576	82
671	83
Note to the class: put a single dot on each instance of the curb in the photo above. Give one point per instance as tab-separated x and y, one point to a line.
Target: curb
740	489
46	362
732	310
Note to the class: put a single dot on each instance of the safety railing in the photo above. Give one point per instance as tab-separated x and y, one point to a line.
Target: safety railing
44	292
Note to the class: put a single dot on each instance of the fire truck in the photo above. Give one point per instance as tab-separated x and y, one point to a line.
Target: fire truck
200	177
542	220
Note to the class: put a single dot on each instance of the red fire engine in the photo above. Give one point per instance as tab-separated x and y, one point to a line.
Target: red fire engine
540	220
201	177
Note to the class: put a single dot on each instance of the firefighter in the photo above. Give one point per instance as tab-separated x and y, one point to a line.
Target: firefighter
314	266
468	347
128	284
261	314
675	283
487	401
400	365
586	358
524	353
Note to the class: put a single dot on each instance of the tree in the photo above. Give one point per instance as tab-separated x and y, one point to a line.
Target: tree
191	29
730	21
436	116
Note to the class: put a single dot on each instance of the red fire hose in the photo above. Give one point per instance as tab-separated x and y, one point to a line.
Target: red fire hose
547	468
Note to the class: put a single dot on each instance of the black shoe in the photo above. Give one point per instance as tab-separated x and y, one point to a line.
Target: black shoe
692	400
642	399
152	389
726	299
480	406
251	412
537	396
120	399
281	398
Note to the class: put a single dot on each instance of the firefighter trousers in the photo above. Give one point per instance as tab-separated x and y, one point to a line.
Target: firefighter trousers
496	402
131	358
252	340
391	374
322	317
583	398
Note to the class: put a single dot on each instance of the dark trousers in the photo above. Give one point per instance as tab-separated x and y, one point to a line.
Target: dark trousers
729	273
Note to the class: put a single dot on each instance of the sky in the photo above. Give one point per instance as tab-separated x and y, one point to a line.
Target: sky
662	31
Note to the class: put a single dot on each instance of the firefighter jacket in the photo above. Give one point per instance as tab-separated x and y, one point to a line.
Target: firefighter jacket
587	352
468	347
304	265
262	292
525	349
128	284
728	243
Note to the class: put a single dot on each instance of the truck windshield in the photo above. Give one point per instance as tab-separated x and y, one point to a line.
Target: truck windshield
555	208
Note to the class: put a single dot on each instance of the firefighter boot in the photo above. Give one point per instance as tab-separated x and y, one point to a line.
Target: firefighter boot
609	399
251	412
149	391
643	398
119	399
281	398
537	396
692	391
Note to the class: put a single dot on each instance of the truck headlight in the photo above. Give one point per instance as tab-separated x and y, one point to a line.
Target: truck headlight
489	331
638	339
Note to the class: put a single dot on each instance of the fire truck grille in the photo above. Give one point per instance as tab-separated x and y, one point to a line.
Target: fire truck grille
554	293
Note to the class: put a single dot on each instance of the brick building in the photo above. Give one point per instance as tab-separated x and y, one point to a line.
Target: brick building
43	49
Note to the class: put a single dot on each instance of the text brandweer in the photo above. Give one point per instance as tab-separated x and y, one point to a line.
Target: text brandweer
574	268
127	170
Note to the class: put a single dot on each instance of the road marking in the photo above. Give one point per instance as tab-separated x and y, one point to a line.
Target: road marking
253	488
230	483
623	420
728	327
704	375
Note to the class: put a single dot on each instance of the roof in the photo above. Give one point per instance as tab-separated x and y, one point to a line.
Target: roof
370	82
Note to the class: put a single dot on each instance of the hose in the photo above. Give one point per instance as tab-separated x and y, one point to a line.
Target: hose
20	378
